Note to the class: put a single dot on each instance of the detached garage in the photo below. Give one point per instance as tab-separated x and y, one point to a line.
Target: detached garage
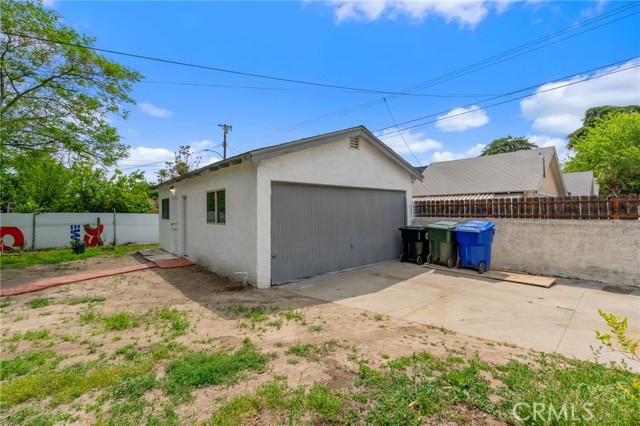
291	211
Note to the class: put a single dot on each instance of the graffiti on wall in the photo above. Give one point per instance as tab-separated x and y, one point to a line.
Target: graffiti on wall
11	237
92	237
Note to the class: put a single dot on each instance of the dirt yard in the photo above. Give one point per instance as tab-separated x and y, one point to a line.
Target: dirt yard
113	322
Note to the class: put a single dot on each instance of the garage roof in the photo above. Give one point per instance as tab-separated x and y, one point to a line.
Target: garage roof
298	145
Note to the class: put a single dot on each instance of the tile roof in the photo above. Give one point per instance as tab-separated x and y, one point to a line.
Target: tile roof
501	173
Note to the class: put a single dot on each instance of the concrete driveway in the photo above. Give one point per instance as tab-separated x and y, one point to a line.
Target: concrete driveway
561	319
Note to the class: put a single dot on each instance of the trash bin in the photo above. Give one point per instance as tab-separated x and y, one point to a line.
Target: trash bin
415	246
474	244
443	248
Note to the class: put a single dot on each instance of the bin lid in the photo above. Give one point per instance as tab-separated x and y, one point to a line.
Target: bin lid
444	224
413	228
476	226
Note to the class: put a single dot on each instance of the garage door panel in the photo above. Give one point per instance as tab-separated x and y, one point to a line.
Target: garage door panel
320	229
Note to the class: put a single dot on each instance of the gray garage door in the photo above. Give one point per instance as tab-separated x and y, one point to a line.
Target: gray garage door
320	229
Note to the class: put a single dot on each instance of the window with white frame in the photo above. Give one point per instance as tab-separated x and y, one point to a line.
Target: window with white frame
216	207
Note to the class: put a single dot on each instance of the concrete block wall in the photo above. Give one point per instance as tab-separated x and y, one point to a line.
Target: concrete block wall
607	251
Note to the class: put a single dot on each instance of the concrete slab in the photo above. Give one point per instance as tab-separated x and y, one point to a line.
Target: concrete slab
561	319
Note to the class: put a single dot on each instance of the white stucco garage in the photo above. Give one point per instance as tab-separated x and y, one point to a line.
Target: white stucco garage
321	204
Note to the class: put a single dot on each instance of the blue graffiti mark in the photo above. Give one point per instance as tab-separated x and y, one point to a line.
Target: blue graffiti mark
75	232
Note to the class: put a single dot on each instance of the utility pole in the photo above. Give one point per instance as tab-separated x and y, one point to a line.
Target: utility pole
226	129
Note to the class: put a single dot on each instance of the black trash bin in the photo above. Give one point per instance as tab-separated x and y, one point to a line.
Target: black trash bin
415	246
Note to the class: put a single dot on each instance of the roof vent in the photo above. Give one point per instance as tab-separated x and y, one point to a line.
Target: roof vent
354	142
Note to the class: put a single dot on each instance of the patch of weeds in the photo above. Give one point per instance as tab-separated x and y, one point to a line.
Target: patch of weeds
123	320
292	315
315	329
40	302
312	352
128	351
284	404
171	321
276	324
206	341
69	338
131	387
31	416
116	338
33	362
87	300
35	336
5	302
440	329
20	317
67	384
88	316
378	317
258	313
46	314
607	392
198	369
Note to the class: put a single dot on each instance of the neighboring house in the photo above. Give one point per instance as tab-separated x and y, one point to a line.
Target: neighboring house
581	183
291	211
528	173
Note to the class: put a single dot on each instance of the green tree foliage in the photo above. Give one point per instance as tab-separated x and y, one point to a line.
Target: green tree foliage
56	97
611	148
37	182
508	144
183	163
592	114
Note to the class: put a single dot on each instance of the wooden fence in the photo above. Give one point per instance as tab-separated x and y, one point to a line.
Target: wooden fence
624	207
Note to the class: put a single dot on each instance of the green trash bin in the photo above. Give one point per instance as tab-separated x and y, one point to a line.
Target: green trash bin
443	248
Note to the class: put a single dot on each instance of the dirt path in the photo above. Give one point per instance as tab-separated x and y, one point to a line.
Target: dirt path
212	303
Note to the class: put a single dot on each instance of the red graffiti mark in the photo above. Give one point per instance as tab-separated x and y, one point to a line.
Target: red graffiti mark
15	234
92	237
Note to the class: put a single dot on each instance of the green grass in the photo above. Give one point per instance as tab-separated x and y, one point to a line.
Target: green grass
170	321
119	321
40	302
29	363
88	300
30	416
285	405
313	353
198	369
25	259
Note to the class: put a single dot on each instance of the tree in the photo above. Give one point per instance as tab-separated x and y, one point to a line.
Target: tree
508	144
182	164
594	113
55	96
611	148
37	182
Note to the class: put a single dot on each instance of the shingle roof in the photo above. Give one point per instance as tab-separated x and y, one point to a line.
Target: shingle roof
501	173
579	183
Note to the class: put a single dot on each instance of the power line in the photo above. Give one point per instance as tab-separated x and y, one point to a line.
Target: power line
401	135
206	67
485	63
517	91
510	100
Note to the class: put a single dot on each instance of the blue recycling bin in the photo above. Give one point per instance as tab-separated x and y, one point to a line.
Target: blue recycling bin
474	239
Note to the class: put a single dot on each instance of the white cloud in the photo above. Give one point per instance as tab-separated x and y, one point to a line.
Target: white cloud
593	9
467	13
474	151
418	142
49	3
561	111
154	111
461	119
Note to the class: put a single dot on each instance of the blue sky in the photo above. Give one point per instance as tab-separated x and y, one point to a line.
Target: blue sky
380	45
